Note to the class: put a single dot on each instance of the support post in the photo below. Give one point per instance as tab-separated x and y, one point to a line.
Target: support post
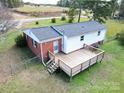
71	75
81	67
102	57
97	58
89	64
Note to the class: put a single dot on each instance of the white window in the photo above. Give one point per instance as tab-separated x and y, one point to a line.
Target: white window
99	32
82	38
34	43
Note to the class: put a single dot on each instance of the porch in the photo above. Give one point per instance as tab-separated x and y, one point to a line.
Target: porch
77	61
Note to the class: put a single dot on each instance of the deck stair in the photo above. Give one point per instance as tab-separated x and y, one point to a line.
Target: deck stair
51	66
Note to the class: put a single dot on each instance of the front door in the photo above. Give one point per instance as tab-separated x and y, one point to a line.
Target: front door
55	47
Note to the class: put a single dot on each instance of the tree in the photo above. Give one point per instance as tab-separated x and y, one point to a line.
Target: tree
12	3
72	11
121	10
114	7
5	20
63	3
100	10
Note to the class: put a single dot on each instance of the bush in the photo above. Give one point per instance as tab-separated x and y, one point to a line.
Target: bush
120	37
20	41
70	20
36	22
53	20
63	18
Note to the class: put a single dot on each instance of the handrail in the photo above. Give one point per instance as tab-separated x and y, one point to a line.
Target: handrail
63	62
59	59
51	53
94	47
88	60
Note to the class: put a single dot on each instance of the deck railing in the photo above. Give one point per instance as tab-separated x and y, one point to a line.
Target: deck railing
84	65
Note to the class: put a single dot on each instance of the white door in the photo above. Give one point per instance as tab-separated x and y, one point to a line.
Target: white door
55	47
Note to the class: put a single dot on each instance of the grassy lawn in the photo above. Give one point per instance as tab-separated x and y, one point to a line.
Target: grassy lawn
9	41
28	8
48	23
105	77
113	27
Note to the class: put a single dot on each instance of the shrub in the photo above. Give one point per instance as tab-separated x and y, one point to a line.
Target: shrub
20	41
53	20
120	37
63	18
70	20
36	22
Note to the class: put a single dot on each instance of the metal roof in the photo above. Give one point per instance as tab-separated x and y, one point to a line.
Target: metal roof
76	29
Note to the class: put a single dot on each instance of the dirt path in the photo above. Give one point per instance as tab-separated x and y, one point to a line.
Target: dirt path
20	16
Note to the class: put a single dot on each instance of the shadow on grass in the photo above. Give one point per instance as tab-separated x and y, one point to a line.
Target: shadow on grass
83	76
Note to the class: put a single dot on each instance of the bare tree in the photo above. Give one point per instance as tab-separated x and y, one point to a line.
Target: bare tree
6	22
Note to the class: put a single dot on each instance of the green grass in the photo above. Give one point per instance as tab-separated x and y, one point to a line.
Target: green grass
8	40
28	8
113	27
105	77
48	22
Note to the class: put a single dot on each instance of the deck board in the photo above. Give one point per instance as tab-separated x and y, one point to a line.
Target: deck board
75	58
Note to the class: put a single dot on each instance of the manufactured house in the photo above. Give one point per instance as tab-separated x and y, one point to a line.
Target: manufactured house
71	47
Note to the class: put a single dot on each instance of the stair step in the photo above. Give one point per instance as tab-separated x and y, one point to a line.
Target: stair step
50	71
51	66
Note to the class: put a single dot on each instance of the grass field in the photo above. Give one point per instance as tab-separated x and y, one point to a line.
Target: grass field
28	8
105	77
48	23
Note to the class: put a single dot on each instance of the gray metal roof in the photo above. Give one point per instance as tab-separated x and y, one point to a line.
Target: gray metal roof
44	33
76	29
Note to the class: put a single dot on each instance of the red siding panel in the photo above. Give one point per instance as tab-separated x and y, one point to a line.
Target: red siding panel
47	46
37	50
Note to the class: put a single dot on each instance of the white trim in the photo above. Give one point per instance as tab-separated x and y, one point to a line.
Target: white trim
30	34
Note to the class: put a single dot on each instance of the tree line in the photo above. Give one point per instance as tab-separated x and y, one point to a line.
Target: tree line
11	3
100	10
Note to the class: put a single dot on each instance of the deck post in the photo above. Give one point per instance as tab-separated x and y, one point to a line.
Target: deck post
89	64
71	75
81	67
97	58
102	57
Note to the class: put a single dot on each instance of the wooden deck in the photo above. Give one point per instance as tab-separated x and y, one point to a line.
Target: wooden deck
79	60
75	58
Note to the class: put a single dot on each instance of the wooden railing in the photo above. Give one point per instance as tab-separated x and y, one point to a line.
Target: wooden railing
87	64
84	65
93	49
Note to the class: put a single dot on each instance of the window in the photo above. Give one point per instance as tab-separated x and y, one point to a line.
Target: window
34	43
82	38
99	32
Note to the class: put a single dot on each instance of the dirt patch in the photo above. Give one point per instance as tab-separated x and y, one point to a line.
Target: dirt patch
11	62
8	59
20	16
43	81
